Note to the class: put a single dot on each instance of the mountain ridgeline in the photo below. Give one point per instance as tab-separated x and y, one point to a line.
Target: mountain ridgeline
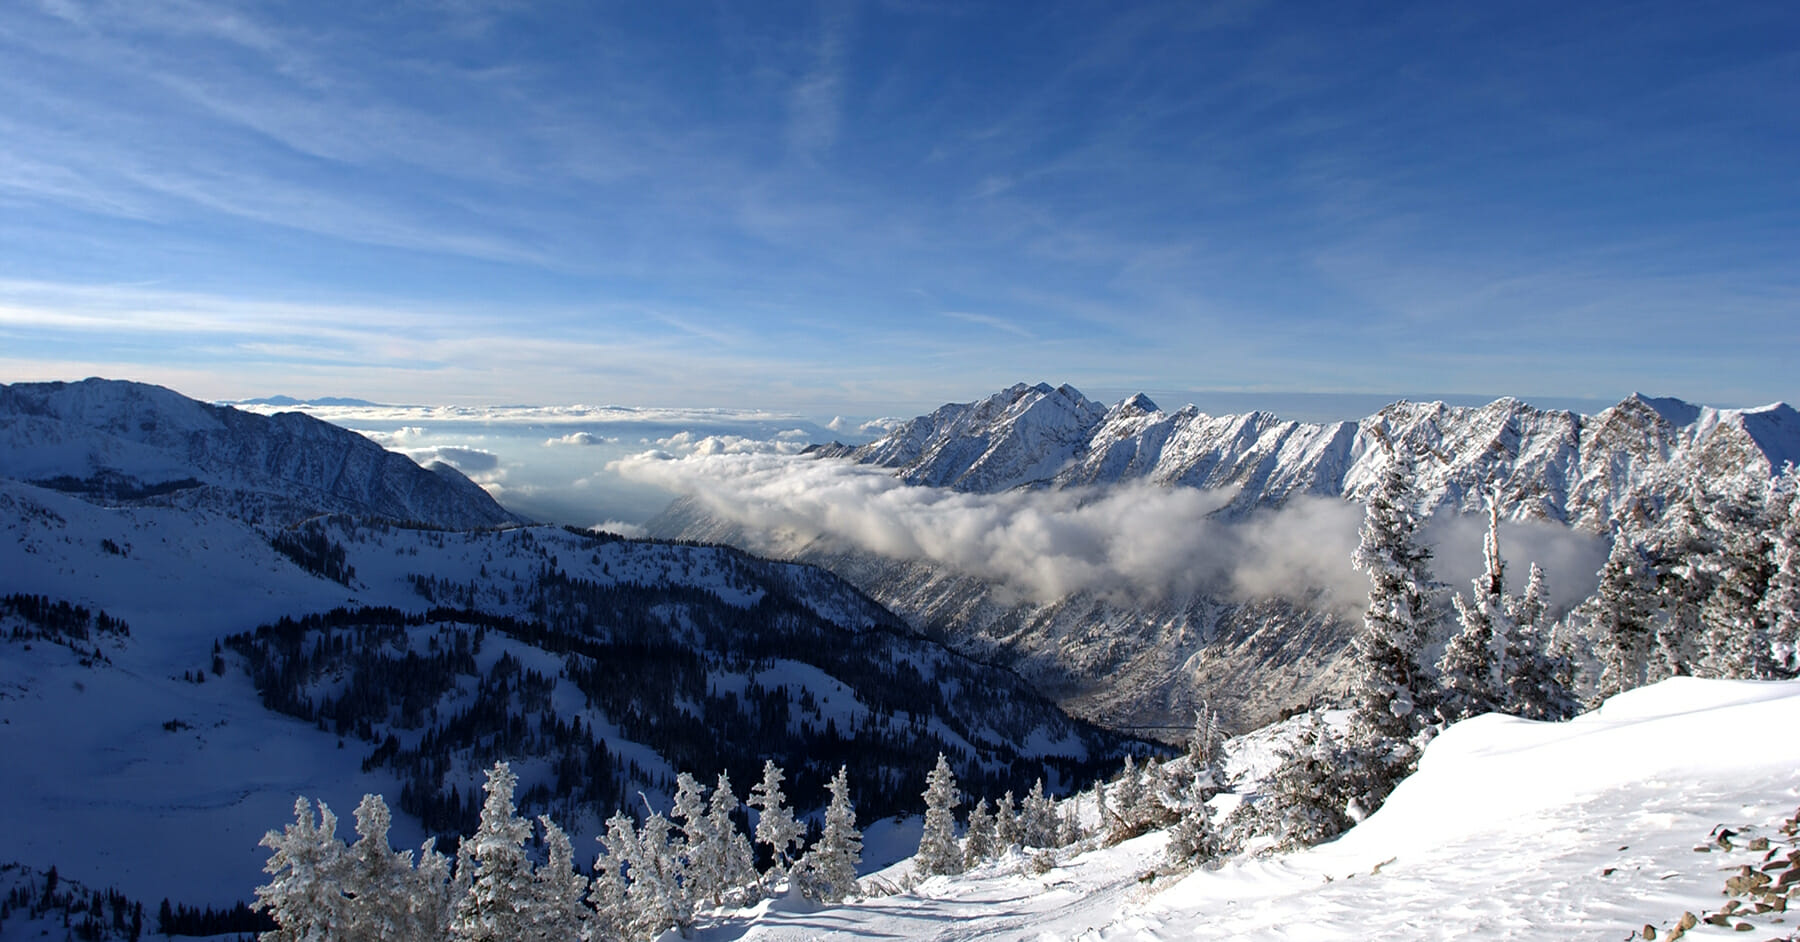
1152	659
1544	464
122	441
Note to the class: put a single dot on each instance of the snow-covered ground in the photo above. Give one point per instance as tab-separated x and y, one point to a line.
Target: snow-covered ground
1510	830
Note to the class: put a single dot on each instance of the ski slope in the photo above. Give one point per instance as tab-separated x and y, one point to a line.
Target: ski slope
1510	830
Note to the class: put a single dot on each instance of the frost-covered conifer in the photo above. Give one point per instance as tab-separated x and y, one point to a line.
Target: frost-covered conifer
775	824
1007	829
1780	605
938	848
828	873
1619	615
377	882
695	848
559	910
608	894
1394	693
1193	839
1127	801
656	897
306	864
1473	670
734	861
496	906
1734	634
1537	687
1037	818
1317	792
978	835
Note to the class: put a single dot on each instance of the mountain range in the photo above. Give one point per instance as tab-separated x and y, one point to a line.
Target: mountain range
1150	659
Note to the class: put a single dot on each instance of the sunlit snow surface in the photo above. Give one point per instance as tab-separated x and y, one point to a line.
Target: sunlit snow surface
1510	830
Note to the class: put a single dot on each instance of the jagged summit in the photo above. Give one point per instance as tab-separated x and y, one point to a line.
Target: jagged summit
119	441
1546	464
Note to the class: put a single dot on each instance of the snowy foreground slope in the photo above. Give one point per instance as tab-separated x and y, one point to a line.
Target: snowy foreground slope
1510	830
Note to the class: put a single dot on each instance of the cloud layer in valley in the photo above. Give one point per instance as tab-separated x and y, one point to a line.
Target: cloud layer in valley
1133	538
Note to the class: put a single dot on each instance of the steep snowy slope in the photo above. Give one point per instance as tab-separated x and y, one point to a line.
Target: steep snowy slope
122	441
152	755
1586	830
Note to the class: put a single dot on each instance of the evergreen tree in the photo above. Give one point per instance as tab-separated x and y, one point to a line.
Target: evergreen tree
1537	684
1127	799
828	873
1734	634
938	849
979	836
695	848
1037	818
1473	669
1318	791
1007	829
656	900
496	907
1619	615
775	824
1193	839
1780	604
306	867
1678	548
734	861
1206	749
1394	694
559	908
377	882
609	892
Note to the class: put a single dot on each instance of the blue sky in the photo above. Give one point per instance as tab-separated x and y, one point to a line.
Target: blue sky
871	208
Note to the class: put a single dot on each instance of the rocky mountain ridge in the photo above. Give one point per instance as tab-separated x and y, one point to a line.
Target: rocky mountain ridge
1544	464
1150	660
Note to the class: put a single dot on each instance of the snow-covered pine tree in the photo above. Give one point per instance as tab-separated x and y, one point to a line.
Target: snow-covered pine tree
775	824
1007	829
939	851
432	896
828	873
1193	839
1618	614
656	897
305	864
735	860
496	907
1473	669
559	910
1394	693
1206	748
1678	548
377	882
1127	801
1317	792
608	893
1037	818
1535	689
1780	605
1734	635
695	848
978	835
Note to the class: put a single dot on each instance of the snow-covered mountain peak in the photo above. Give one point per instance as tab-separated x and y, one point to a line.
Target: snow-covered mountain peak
124	441
1674	411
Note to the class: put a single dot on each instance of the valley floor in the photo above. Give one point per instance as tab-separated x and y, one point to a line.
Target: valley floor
1589	829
